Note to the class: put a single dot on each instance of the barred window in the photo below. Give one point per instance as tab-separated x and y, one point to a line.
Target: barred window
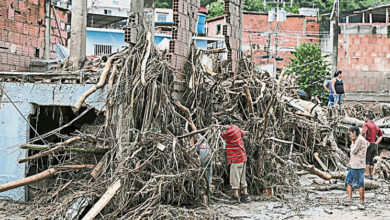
101	49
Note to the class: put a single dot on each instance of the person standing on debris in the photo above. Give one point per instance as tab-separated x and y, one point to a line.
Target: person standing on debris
374	135
357	163
236	156
204	155
338	87
329	88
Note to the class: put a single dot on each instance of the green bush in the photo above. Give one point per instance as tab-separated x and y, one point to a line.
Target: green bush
311	69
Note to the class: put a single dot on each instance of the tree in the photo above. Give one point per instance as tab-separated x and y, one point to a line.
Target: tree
311	69
164	3
216	9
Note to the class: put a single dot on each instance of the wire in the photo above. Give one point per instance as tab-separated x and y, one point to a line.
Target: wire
17	109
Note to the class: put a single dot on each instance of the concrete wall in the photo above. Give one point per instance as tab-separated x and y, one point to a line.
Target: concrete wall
22	28
116	7
102	36
364	57
14	130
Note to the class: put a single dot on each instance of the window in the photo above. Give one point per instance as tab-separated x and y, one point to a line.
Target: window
161	17
218	29
107	12
36	52
101	49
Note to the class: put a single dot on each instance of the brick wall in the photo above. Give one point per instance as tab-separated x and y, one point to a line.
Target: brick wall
365	61
22	32
295	30
212	26
185	16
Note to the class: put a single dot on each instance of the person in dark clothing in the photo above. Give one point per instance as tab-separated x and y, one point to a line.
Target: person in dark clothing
236	157
374	135
338	87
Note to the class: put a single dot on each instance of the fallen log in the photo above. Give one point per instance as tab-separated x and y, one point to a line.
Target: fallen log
249	98
59	147
103	200
45	174
73	149
318	159
351	121
370	184
101	82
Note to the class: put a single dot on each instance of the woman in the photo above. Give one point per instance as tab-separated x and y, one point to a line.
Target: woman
328	83
338	87
357	163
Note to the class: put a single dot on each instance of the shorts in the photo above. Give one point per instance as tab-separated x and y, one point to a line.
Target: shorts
355	177
237	175
372	151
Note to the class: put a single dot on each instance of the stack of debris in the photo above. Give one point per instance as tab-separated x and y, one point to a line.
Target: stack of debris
141	161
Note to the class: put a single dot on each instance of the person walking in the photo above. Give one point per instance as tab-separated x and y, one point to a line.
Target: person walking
236	157
355	176
329	88
338	87
374	135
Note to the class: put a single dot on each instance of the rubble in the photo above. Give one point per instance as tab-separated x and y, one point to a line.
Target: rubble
150	168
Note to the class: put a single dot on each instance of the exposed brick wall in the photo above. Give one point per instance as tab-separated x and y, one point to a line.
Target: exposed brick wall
232	32
365	61
185	16
22	32
255	32
212	26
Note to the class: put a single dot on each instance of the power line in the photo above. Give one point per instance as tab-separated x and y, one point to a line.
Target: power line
28	122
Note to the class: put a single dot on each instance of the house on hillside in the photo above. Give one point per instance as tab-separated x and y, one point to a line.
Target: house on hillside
260	31
364	53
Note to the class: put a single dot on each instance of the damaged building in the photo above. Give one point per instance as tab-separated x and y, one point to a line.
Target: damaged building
364	53
28	111
30	31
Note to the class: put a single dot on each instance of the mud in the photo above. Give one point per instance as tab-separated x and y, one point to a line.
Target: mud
329	205
312	204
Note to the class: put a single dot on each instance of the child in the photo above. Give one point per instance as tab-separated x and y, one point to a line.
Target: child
236	156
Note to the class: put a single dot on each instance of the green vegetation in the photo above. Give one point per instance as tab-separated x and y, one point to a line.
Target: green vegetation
311	69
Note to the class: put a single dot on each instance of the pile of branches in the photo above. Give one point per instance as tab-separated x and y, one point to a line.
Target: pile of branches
145	163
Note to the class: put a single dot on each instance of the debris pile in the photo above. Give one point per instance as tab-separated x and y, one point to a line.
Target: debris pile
141	162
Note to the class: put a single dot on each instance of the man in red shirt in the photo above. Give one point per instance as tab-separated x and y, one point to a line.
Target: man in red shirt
236	157
374	135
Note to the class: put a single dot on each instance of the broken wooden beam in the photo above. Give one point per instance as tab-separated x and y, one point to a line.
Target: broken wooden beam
73	149
59	147
103	201
43	175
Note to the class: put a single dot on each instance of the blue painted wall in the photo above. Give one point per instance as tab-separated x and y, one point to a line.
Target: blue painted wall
114	38
201	44
201	23
158	39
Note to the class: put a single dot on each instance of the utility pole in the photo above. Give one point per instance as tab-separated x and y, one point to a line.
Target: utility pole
46	53
335	33
78	33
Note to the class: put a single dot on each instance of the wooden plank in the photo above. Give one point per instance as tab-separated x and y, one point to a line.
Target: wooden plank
106	198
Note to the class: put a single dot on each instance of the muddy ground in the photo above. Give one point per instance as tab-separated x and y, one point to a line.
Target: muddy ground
312	204
315	204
